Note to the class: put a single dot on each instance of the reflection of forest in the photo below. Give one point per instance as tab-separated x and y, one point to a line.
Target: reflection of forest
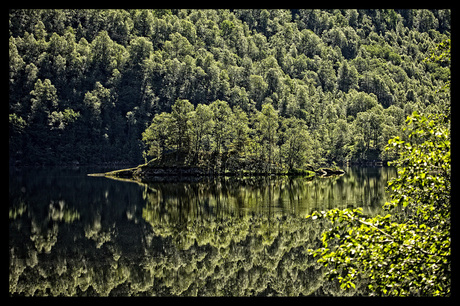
220	237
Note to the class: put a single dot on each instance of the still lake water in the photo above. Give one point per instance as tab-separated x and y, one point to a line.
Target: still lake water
75	235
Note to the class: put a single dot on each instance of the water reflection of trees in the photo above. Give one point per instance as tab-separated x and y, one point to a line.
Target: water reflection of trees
220	237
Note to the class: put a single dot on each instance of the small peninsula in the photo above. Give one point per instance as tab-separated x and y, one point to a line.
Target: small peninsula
175	165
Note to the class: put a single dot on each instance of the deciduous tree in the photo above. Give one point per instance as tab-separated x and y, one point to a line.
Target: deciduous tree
406	252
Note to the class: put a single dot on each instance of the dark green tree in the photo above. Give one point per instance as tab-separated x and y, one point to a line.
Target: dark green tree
181	112
202	125
297	143
347	77
158	136
223	131
268	130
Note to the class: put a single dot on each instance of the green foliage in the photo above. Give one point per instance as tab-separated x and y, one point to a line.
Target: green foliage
347	77
408	251
441	55
267	129
158	135
180	126
120	68
296	146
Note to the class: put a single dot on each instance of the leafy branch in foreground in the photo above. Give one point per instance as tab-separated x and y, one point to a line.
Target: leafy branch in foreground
408	251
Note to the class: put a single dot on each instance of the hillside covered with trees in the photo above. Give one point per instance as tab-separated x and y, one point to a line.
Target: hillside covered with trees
278	86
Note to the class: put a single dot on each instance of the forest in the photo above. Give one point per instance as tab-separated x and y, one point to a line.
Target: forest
275	87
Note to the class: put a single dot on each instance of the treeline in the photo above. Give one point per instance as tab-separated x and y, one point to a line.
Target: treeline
217	138
85	84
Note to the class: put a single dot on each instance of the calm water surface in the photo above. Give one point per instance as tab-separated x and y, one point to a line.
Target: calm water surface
74	235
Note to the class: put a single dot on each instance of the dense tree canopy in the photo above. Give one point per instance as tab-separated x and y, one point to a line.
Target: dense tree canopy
85	84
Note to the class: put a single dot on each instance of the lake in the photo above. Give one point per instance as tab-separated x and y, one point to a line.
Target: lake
75	235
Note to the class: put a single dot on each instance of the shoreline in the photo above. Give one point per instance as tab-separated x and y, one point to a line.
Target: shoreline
146	172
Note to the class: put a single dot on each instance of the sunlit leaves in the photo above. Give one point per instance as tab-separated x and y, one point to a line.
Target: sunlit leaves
407	251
